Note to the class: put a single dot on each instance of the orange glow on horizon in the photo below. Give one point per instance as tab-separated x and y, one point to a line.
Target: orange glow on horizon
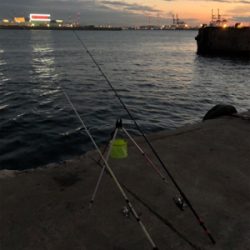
196	11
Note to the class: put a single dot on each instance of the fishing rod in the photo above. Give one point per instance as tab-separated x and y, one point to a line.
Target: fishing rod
110	171
196	215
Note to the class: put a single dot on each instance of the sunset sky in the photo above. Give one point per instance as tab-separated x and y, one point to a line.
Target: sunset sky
129	12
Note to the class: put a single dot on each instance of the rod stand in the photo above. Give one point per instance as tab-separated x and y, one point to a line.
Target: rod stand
118	124
108	147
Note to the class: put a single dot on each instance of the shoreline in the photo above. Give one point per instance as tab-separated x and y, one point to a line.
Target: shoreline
18	27
88	28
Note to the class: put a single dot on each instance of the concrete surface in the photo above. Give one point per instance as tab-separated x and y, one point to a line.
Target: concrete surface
47	208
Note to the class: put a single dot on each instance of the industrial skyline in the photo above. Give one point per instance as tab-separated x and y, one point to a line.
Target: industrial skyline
130	12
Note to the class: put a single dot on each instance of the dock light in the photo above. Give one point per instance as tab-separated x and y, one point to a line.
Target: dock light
224	26
238	25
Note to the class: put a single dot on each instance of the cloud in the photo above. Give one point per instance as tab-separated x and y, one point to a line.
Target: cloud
116	3
219	1
239	10
129	6
244	2
241	18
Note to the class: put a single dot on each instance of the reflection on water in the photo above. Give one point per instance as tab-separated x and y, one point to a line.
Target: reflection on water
43	65
43	60
3	78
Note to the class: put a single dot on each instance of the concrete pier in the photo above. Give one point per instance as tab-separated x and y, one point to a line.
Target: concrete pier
228	41
47	208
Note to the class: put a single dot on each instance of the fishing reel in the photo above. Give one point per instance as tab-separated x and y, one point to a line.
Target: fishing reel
126	211
180	202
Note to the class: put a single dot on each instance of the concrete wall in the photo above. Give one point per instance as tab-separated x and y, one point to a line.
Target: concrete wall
218	40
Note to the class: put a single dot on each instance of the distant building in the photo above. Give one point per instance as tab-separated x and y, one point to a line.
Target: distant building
40	19
19	19
5	21
57	23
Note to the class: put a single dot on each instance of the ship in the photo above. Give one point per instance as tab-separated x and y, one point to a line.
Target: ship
218	38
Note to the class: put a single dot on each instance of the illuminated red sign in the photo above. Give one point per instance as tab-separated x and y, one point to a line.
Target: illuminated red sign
40	17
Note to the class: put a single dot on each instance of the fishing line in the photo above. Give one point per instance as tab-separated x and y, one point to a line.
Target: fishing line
128	202
201	223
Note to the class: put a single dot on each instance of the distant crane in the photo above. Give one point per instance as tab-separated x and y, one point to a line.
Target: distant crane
78	14
158	18
217	21
148	18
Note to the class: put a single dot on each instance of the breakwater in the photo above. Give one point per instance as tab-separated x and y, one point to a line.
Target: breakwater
224	41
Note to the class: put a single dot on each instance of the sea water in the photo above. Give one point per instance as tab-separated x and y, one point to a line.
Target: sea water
157	74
